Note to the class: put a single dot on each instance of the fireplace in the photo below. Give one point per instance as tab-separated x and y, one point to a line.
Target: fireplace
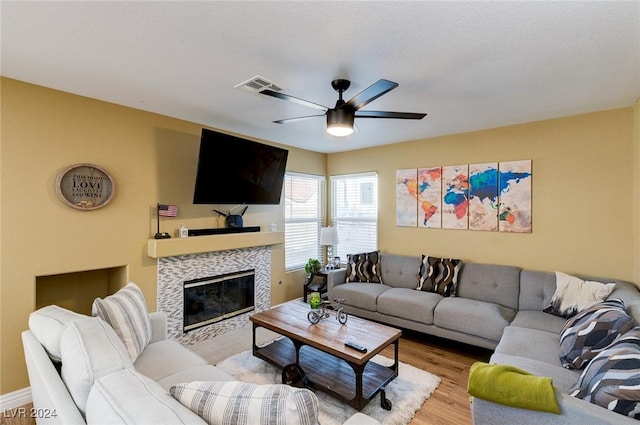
211	299
174	271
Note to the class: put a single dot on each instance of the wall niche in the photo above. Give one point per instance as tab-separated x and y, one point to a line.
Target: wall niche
77	290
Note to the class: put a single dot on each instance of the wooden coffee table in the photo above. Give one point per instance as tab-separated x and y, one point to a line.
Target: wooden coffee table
318	351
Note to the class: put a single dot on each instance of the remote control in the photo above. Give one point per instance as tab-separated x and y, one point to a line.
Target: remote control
355	346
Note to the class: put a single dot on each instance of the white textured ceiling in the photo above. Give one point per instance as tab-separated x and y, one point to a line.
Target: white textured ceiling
469	65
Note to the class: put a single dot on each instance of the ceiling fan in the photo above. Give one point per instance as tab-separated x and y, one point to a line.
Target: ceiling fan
341	117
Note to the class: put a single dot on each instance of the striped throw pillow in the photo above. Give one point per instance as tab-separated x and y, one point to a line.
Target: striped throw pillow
611	379
439	275
364	267
591	331
126	312
355	267
239	403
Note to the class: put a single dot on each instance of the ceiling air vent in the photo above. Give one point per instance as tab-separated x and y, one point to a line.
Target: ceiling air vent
257	84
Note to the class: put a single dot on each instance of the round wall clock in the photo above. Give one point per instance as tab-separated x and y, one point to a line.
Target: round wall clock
85	187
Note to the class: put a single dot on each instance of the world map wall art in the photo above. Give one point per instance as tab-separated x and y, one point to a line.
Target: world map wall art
494	196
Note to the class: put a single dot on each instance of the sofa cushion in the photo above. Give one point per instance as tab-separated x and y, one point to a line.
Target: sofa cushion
530	343
164	358
439	275
128	397
364	267
563	379
238	403
90	349
628	292
359	294
409	304
573	295
126	312
537	319
399	271
536	289
198	373
479	318
591	331
491	283
611	379
48	323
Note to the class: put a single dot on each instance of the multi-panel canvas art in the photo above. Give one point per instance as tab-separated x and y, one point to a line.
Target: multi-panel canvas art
514	212
493	196
430	197
406	197
455	196
483	196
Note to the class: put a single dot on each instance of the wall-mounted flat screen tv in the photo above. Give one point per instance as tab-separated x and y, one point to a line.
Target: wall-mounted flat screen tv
233	170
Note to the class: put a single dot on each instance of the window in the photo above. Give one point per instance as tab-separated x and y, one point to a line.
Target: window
354	199
304	202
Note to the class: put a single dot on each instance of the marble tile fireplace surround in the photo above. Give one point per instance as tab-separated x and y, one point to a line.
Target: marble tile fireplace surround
197	257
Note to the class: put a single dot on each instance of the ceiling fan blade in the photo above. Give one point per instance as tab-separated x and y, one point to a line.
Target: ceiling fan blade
293	99
370	94
385	114
288	120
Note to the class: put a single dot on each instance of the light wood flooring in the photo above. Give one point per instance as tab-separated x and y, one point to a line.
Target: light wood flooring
448	405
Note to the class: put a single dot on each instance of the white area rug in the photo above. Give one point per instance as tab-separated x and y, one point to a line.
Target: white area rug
407	392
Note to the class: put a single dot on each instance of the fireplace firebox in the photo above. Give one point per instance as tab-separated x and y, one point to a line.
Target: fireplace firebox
212	299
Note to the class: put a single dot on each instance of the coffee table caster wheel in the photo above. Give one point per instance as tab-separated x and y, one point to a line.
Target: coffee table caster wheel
385	403
293	375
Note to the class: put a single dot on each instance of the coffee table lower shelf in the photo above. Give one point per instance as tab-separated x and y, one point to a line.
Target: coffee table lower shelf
331	374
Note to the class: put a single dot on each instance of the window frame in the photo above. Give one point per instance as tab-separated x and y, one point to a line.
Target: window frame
297	262
350	227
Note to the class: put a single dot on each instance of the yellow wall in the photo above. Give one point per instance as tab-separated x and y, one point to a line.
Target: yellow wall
152	159
582	194
585	187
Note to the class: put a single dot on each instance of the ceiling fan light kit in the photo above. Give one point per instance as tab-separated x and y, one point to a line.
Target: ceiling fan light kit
340	119
340	122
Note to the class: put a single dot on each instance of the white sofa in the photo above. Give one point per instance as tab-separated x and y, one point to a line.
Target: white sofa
138	395
81	373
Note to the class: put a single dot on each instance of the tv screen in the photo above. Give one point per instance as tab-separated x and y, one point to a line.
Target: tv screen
232	170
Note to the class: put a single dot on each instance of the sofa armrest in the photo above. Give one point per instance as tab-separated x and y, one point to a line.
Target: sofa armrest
334	278
573	411
49	394
158	321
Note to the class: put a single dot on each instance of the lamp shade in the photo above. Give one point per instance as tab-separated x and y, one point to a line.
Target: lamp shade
328	236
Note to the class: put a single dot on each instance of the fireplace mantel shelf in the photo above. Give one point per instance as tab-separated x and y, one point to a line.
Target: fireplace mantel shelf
158	248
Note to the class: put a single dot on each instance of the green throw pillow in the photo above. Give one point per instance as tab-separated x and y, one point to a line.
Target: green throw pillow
511	386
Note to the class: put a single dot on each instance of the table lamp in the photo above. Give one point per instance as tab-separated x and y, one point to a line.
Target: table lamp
329	237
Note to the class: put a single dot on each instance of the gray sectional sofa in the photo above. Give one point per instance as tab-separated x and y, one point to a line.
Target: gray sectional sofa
496	307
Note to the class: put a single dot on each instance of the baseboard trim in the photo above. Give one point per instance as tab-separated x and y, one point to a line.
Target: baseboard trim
15	399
